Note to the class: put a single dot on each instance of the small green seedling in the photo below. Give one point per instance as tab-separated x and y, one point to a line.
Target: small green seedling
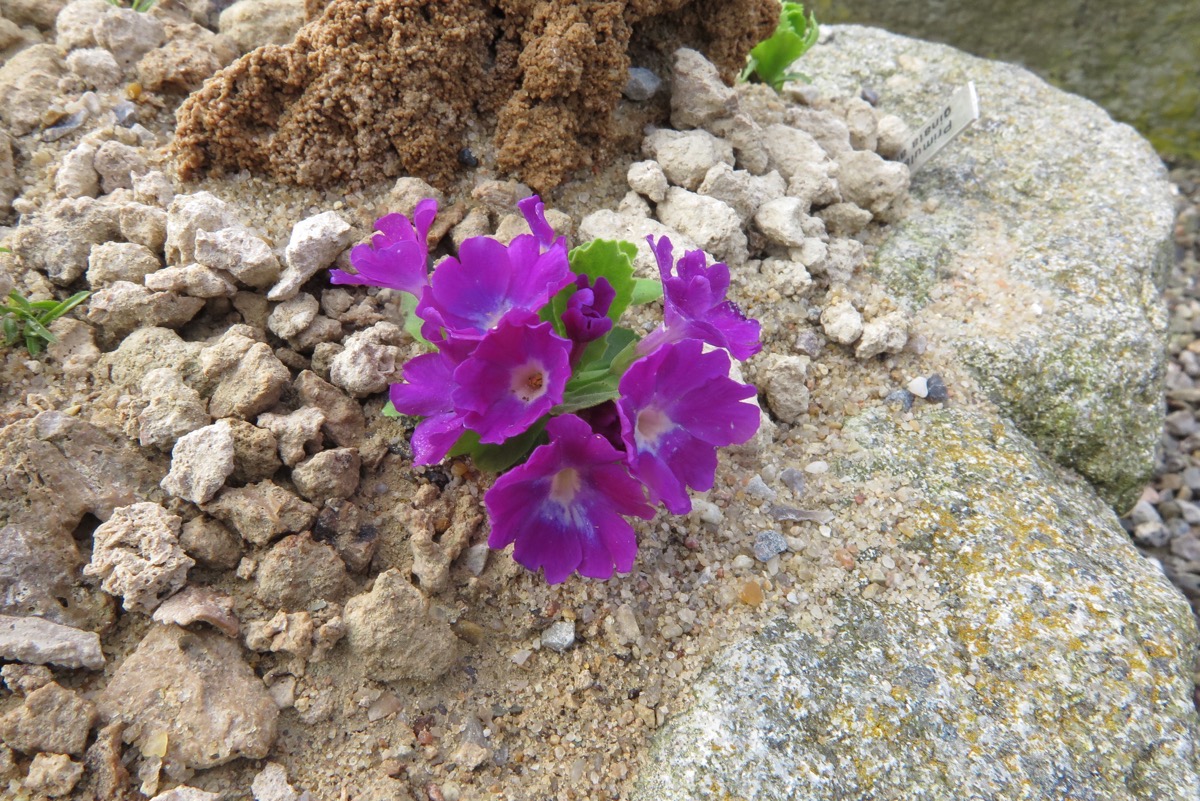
30	320
770	59
140	6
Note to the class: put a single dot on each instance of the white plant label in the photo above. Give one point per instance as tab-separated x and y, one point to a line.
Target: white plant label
956	116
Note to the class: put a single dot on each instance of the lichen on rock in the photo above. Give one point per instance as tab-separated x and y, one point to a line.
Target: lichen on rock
373	89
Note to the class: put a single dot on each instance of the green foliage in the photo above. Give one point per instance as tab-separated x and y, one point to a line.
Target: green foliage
30	320
412	323
770	59
595	381
497	458
140	6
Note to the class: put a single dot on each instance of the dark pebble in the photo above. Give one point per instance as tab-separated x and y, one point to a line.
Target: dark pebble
793	479
126	114
810	343
768	544
870	95
467	158
65	126
937	392
641	85
1178	527
900	397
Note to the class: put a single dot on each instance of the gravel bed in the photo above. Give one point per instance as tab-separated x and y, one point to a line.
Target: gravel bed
1165	524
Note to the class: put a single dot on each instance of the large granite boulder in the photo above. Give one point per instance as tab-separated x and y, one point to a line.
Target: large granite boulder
1028	651
1052	662
1038	248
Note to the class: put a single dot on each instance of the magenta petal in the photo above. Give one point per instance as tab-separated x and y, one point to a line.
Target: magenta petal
396	258
535	214
434	436
563	508
423	216
677	406
515	375
470	292
425	392
490	282
555	549
609	541
394	227
694	305
662	481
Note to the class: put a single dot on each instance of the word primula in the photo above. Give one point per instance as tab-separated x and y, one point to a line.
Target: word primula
531	375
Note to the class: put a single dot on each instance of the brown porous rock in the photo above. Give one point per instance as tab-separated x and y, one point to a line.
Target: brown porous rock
371	89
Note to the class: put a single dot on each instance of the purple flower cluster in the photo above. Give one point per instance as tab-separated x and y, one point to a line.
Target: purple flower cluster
519	341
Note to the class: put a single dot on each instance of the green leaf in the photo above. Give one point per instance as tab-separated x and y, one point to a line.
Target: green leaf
412	323
36	329
495	458
59	309
20	302
389	410
12	331
771	58
599	258
646	290
585	396
597	358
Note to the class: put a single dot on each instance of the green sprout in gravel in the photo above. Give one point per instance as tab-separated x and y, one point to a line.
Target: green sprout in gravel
30	320
770	59
141	6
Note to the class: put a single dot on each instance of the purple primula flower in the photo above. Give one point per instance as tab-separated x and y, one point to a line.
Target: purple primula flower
535	214
515	375
694	305
469	295
426	394
677	406
586	315
397	257
564	506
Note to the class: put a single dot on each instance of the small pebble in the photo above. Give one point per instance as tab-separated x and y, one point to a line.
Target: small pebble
918	386
474	559
751	594
935	389
790	513
642	84
126	114
810	343
707	511
560	636
741	562
1190	512
900	397
467	158
65	126
816	468
768	544
793	479
1144	512
1152	534
869	95
759	489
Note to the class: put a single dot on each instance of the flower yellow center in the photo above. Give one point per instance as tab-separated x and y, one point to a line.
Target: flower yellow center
564	485
651	424
529	382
